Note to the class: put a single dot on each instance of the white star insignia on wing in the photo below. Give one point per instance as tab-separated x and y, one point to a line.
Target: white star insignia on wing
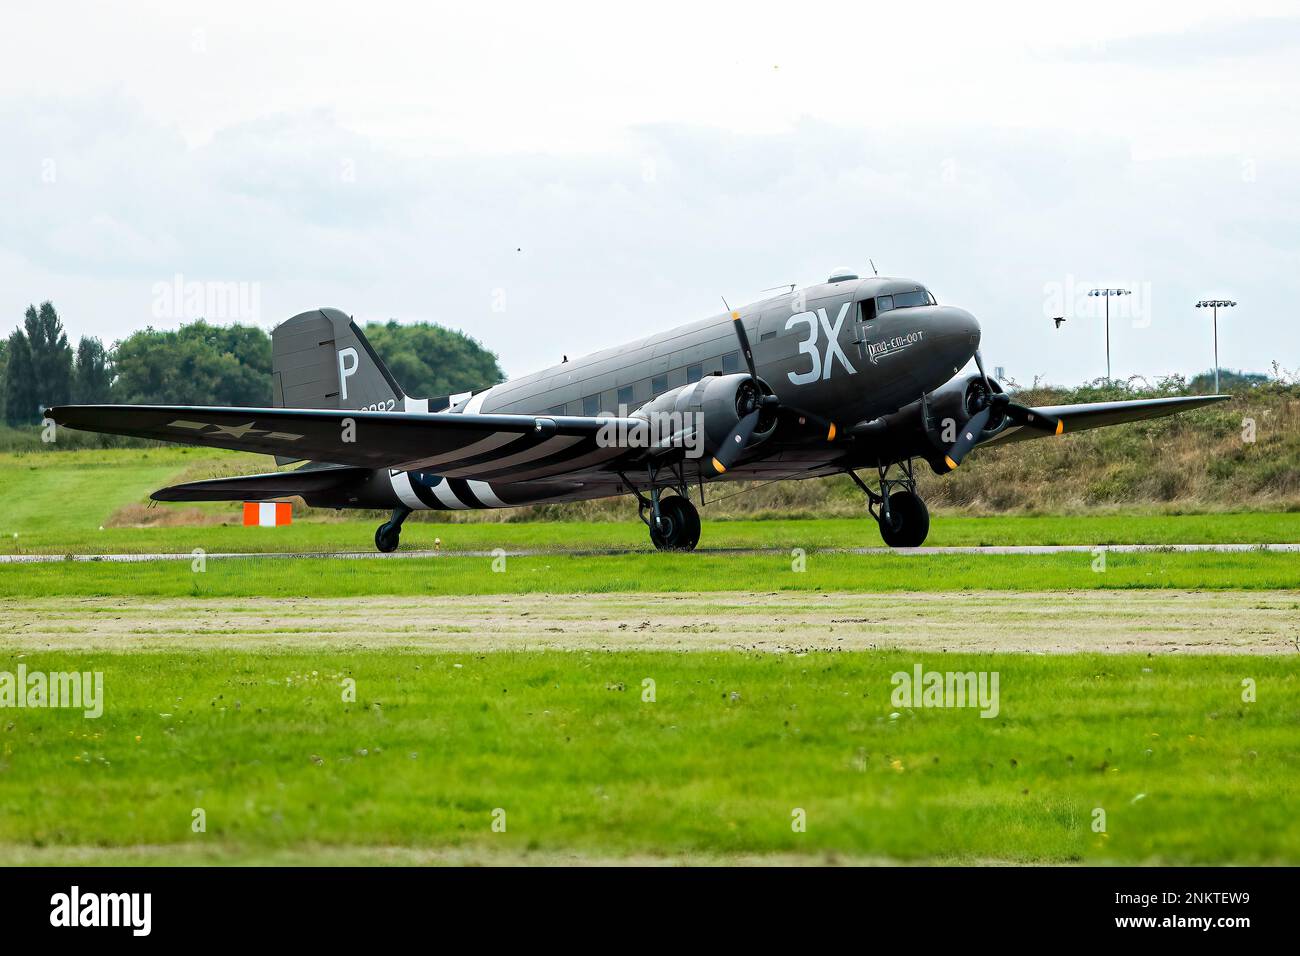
237	431
233	431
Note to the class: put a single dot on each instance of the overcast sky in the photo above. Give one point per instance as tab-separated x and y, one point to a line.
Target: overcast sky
553	178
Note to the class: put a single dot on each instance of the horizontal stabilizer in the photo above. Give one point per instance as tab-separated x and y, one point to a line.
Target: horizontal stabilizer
275	484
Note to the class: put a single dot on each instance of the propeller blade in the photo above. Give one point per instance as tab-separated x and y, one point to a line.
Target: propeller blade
828	428
997	401
726	454
979	364
969	436
1032	418
745	350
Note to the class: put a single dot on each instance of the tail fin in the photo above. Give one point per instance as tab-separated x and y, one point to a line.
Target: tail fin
320	359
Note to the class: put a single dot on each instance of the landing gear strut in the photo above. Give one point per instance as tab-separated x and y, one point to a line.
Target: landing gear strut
388	534
903	518
674	522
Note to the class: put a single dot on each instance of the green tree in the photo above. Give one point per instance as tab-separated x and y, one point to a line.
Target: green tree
198	364
4	370
428	360
20	386
1229	381
51	356
91	376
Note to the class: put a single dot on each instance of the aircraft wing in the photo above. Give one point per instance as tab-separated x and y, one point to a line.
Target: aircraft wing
452	443
1098	414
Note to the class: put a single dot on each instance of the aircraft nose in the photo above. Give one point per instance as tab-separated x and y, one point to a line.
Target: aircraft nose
957	333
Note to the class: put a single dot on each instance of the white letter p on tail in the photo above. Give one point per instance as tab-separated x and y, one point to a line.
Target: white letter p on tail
346	370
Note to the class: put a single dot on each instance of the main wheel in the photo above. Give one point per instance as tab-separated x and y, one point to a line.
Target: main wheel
387	537
679	525
908	523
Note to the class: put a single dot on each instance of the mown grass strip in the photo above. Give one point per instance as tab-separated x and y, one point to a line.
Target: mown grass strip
570	747
55	523
565	574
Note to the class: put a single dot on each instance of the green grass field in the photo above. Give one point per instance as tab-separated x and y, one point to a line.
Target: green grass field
565	574
79	490
731	746
811	534
257	734
62	502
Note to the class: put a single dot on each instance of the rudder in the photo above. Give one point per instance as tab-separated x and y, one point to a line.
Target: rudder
320	359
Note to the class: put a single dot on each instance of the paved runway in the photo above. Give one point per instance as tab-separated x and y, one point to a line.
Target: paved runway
541	552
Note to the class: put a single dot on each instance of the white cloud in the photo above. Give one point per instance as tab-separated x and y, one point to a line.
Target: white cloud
392	164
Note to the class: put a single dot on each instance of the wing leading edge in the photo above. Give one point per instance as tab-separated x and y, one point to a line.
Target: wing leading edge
1099	414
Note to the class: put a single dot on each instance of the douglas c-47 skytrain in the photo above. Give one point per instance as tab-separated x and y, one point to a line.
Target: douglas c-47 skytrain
850	374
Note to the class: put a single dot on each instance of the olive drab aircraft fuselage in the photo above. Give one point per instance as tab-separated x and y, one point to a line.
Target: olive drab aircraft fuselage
849	374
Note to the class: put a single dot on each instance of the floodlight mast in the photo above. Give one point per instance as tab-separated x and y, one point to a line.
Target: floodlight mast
1215	305
1107	293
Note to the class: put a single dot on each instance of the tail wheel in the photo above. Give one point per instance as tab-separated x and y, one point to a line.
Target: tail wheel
679	525
387	537
908	522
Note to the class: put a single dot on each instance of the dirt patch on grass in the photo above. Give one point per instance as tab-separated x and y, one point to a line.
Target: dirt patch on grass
1220	622
150	516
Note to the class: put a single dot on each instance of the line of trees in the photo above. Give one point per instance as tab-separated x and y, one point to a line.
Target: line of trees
38	367
204	364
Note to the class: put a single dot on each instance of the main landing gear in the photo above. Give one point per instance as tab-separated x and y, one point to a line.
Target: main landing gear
388	534
678	526
674	522
903	517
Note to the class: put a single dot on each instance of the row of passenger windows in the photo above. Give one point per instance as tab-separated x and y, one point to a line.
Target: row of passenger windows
635	394
631	395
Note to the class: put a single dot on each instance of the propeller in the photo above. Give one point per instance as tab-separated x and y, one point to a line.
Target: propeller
735	442
997	401
738	437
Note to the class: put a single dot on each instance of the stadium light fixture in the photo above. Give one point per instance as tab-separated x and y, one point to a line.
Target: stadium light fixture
1107	293
1216	305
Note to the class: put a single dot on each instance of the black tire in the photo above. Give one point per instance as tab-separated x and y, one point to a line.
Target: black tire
909	522
679	528
387	537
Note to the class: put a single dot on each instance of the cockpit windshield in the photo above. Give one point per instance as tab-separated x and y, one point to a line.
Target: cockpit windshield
903	300
870	308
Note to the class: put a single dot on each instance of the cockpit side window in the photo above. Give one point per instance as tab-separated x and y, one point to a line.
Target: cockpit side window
884	303
868	307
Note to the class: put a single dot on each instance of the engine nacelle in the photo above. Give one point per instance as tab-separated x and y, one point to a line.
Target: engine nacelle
927	429
712	407
958	401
